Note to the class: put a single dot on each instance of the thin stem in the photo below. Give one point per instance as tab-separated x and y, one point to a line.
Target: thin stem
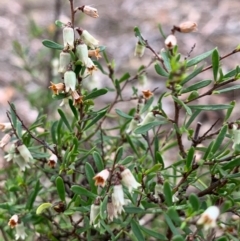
72	12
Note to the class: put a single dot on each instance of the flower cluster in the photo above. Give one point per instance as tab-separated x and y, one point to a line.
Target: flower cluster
77	51
116	200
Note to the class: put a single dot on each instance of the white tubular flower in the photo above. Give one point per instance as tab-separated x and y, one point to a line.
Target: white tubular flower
13	221
118	198
101	178
139	49
5	126
170	41
20	232
142	79
25	153
147	119
88	39
90	66
209	217
111	211
129	180
5	140
68	38
23	165
64	61
90	11
82	53
70	80
132	126
94	211
52	162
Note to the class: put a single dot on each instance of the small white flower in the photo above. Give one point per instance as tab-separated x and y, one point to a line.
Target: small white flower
13	221
52	160
5	126
187	27
68	37
129	180
111	211
94	211
118	198
25	153
209	217
89	40
139	49
20	232
101	178
64	61
150	117
70	80
132	125
82	53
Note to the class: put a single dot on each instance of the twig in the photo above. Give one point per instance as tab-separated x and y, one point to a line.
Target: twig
72	12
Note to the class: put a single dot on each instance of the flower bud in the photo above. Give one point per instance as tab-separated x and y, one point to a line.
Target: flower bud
64	61
139	49
82	53
68	38
170	41
186	27
128	179
87	38
94	211
25	153
70	80
90	11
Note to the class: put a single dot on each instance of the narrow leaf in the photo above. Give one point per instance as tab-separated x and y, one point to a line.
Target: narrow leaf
167	193
90	174
189	159
60	188
96	93
82	191
96	119
196	86
64	119
215	64
209	107
194	201
52	45
199	58
136	230
33	196
192	75
43	207
160	70
154	234
178	101
235	87
122	114
98	161
145	128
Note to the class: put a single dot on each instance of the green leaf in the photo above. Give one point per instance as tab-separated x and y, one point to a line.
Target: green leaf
178	101
189	159
159	159
59	24
43	207
154	234
192	118
145	128
98	161
64	119
230	165
122	114
193	95
219	140
103	207
82	191
136	229
209	107
167	193
178	238
52	45
170	224
13	115
119	154
134	210
229	111
147	105
33	196
155	168
196	86
73	109
125	77
215	64
96	93
194	201
192	75
90	174
60	188
222	239
96	119
235	87
166	60
199	58
173	214
138	34
160	70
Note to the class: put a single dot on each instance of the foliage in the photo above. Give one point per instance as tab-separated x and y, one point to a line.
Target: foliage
98	172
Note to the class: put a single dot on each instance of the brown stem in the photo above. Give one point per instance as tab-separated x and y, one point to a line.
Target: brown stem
72	12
